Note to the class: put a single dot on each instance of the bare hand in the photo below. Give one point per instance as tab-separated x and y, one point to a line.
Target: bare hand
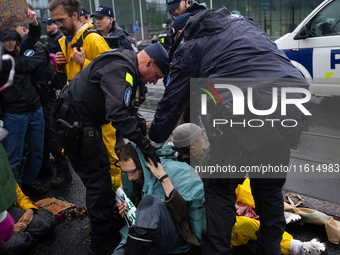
78	56
158	172
32	15
19	227
27	217
60	58
121	209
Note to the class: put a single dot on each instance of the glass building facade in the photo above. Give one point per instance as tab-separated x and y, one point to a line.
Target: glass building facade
276	17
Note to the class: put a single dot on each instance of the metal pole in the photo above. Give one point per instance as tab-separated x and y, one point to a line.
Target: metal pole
211	4
113	7
141	19
133	14
91	11
96	3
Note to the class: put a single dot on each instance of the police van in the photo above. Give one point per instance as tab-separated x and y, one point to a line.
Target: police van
314	48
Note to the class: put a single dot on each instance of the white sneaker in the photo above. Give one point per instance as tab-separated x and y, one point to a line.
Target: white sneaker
292	217
313	247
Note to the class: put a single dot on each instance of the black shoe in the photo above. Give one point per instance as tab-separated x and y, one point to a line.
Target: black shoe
32	189
60	181
101	245
255	249
45	172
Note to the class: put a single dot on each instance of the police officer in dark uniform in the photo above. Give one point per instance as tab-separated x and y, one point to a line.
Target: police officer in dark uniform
53	36
105	91
107	26
218	44
164	37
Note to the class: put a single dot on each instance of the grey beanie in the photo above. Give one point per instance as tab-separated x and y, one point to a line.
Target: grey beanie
186	134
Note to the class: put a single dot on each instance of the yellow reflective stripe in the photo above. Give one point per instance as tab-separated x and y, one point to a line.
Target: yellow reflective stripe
129	79
162	40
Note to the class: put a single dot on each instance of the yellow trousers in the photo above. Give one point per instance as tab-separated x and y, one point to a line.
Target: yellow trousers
245	228
109	138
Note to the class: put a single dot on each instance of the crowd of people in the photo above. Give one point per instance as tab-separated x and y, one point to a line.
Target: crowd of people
176	208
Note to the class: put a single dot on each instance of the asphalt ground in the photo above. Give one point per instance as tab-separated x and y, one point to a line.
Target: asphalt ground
72	235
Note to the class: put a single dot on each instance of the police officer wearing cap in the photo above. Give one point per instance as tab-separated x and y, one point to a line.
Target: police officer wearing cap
177	8
53	36
85	16
107	26
105	91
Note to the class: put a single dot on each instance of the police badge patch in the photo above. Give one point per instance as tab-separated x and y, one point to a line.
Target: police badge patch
29	53
127	96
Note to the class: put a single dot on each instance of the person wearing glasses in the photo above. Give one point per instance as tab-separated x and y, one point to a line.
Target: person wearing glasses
167	197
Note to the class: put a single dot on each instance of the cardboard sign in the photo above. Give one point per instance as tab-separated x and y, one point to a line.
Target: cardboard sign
54	205
13	13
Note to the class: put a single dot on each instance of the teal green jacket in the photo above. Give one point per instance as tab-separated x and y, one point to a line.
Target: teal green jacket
185	180
8	184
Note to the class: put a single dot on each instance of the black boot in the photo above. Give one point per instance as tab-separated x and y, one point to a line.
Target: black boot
139	241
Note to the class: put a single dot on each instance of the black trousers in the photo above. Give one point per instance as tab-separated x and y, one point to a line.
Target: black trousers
51	144
267	192
95	175
221	214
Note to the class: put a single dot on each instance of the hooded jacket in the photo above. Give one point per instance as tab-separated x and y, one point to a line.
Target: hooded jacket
217	44
93	45
21	97
188	189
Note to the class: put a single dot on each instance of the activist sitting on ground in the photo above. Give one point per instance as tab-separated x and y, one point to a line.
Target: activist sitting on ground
188	140
30	224
168	200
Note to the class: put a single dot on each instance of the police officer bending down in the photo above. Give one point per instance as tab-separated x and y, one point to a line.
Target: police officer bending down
105	91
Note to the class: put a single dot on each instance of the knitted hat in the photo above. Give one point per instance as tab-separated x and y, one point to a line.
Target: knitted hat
159	55
186	134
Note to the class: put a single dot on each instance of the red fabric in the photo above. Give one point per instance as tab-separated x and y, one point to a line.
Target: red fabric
246	210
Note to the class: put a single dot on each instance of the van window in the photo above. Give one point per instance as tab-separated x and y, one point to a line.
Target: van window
327	21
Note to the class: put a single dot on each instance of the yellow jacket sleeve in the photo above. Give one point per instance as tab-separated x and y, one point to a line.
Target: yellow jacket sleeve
24	202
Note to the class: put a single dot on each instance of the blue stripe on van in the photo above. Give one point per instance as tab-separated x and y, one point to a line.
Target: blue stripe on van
303	56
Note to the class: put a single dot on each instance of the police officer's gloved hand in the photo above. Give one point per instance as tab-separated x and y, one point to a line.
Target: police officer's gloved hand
149	151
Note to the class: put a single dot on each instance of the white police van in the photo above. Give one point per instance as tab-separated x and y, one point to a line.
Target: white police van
314	48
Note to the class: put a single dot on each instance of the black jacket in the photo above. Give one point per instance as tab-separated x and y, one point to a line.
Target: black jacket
126	40
164	39
52	43
216	44
21	97
106	89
